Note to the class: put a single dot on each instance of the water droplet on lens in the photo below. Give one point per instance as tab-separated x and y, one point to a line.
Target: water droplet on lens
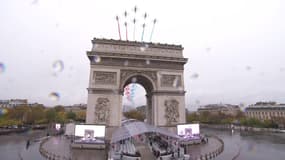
147	62
35	2
3	111
96	59
54	74
2	68
126	63
134	80
175	82
54	96
180	89
58	66
248	68
282	69
197	102
194	76
208	49
142	49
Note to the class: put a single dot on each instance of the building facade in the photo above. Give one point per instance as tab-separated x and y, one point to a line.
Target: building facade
226	109
13	103
266	111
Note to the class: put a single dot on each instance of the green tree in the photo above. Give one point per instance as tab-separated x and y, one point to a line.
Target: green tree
60	117
81	115
50	115
134	114
59	108
71	115
192	117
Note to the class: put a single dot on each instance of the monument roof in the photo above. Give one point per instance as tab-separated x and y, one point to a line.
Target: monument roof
136	43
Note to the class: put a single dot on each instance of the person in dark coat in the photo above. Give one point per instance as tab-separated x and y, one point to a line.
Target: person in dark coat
27	144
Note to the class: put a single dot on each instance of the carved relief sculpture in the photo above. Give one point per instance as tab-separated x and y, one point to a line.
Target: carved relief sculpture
126	73
102	111
170	80
105	77
171	111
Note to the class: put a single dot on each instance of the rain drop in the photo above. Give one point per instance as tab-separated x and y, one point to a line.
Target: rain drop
208	49
134	80
2	68
126	63
142	49
147	62
3	111
175	82
96	59
54	96
35	2
248	68
180	89
282	69
58	66
194	76
197	101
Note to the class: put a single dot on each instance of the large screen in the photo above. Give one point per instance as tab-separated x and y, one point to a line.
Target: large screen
188	130
90	131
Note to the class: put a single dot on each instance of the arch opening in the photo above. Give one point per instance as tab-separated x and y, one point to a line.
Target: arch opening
142	97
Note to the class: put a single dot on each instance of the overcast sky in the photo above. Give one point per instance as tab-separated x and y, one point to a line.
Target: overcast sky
236	48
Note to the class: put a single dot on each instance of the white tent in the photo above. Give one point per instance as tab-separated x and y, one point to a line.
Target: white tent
137	128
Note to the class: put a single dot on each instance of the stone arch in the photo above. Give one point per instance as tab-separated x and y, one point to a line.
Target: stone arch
156	68
145	80
149	84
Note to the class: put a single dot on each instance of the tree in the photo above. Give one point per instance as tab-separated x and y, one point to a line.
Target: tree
59	108
81	115
71	115
50	115
192	117
134	114
37	114
60	117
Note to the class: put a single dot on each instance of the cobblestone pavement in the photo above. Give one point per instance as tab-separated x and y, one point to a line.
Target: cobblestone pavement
61	146
58	145
201	149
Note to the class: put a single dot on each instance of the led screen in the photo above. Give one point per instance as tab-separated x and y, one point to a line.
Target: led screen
188	129
89	131
57	126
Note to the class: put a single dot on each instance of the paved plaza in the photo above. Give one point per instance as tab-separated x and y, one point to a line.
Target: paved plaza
60	146
202	149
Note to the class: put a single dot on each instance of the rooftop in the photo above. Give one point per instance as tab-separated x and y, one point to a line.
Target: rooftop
136	43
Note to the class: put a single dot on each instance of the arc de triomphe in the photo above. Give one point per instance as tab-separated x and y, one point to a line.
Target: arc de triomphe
157	67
